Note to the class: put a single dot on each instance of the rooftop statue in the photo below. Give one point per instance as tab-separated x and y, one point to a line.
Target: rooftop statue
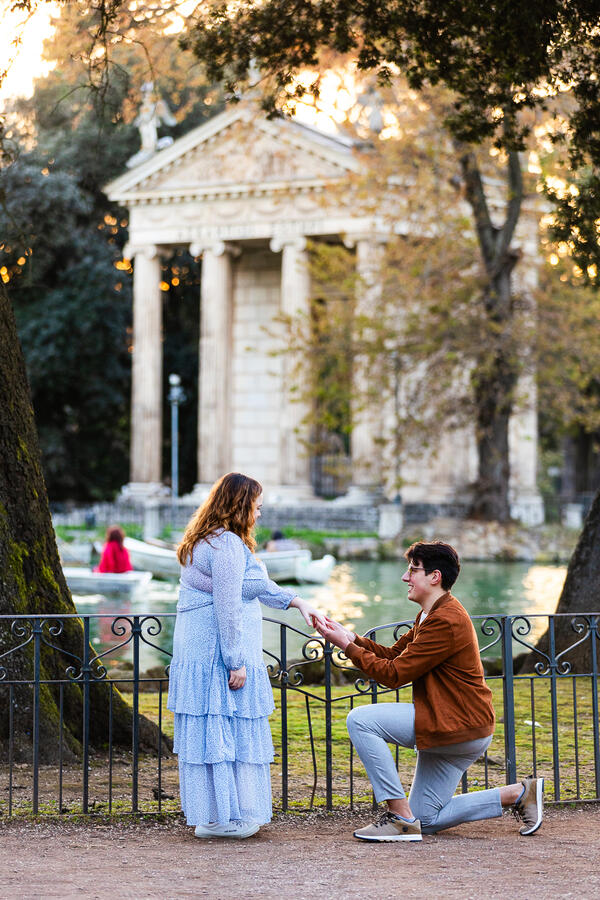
152	114
372	103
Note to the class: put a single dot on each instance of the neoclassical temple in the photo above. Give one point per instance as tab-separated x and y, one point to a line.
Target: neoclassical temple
245	194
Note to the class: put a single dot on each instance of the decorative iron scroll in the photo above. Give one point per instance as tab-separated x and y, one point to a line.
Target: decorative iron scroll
21	628
490	627
153	627
585	626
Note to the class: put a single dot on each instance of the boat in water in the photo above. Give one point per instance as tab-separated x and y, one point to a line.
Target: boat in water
282	565
297	565
315	571
82	580
157	558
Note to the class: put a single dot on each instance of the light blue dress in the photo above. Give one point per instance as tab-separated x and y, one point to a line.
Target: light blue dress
222	737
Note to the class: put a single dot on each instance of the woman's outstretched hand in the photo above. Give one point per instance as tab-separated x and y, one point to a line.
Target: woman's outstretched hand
310	615
335	633
237	678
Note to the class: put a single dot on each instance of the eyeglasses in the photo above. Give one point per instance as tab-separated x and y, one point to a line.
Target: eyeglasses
412	568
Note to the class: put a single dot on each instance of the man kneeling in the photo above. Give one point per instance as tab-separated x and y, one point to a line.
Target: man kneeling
450	722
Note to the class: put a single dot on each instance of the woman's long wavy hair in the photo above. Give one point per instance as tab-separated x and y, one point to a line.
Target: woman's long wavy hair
229	506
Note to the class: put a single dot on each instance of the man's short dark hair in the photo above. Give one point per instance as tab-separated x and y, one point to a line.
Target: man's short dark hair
436	555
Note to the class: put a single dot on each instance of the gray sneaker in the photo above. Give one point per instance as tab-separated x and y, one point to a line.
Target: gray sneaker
530	806
234	829
390	828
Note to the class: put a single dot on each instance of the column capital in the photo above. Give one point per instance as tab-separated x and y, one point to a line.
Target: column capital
372	238
278	242
148	251
217	248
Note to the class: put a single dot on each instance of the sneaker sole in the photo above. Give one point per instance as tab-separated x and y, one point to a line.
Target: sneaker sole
390	838
215	834
539	796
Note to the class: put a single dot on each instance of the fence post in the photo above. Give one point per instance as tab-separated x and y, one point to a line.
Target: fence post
284	720
135	736
554	705
594	636
37	637
328	736
510	750
85	673
372	636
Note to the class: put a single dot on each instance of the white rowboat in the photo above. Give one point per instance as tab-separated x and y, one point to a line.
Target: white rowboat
82	580
282	565
161	561
315	571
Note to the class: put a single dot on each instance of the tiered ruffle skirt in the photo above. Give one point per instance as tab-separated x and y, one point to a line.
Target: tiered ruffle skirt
222	737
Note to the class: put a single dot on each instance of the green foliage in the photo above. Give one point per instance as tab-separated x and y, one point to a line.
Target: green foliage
418	337
261	535
493	62
311	536
576	217
62	239
72	305
316	539
568	352
322	343
498	73
73	313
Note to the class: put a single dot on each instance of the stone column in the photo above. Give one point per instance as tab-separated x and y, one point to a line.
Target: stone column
366	439
526	503
214	388
146	390
294	461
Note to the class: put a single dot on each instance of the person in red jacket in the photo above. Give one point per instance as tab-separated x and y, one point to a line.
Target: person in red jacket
115	557
450	722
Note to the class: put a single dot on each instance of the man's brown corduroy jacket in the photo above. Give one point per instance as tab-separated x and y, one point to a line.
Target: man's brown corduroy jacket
440	656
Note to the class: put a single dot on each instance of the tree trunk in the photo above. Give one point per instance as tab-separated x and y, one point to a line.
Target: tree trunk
495	375
32	583
493	382
580	595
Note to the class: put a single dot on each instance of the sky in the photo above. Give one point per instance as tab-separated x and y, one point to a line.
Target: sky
27	61
25	64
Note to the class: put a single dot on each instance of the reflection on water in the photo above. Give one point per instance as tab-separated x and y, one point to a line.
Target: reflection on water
358	594
158	597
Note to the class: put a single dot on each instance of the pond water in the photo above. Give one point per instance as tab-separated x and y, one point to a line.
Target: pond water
361	595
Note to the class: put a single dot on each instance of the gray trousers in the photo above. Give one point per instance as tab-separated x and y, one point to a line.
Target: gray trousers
438	771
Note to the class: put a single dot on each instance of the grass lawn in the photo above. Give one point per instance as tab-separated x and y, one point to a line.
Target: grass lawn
559	747
535	749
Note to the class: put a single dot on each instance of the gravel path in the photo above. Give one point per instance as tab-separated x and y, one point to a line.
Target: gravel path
305	857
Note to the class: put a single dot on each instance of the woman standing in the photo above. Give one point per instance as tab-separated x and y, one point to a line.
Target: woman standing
219	689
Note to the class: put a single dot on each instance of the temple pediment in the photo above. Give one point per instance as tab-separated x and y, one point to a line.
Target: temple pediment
238	152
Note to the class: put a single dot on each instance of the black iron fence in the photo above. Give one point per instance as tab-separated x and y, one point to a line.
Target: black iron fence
93	736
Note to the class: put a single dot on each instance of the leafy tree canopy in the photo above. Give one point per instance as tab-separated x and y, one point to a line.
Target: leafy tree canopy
63	240
500	60
497	59
497	67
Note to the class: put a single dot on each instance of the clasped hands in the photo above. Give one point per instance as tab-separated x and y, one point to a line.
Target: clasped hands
327	628
333	632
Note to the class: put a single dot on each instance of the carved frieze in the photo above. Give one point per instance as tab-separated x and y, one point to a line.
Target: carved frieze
243	219
246	155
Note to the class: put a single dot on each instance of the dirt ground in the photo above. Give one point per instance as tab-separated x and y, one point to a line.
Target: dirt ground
306	856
